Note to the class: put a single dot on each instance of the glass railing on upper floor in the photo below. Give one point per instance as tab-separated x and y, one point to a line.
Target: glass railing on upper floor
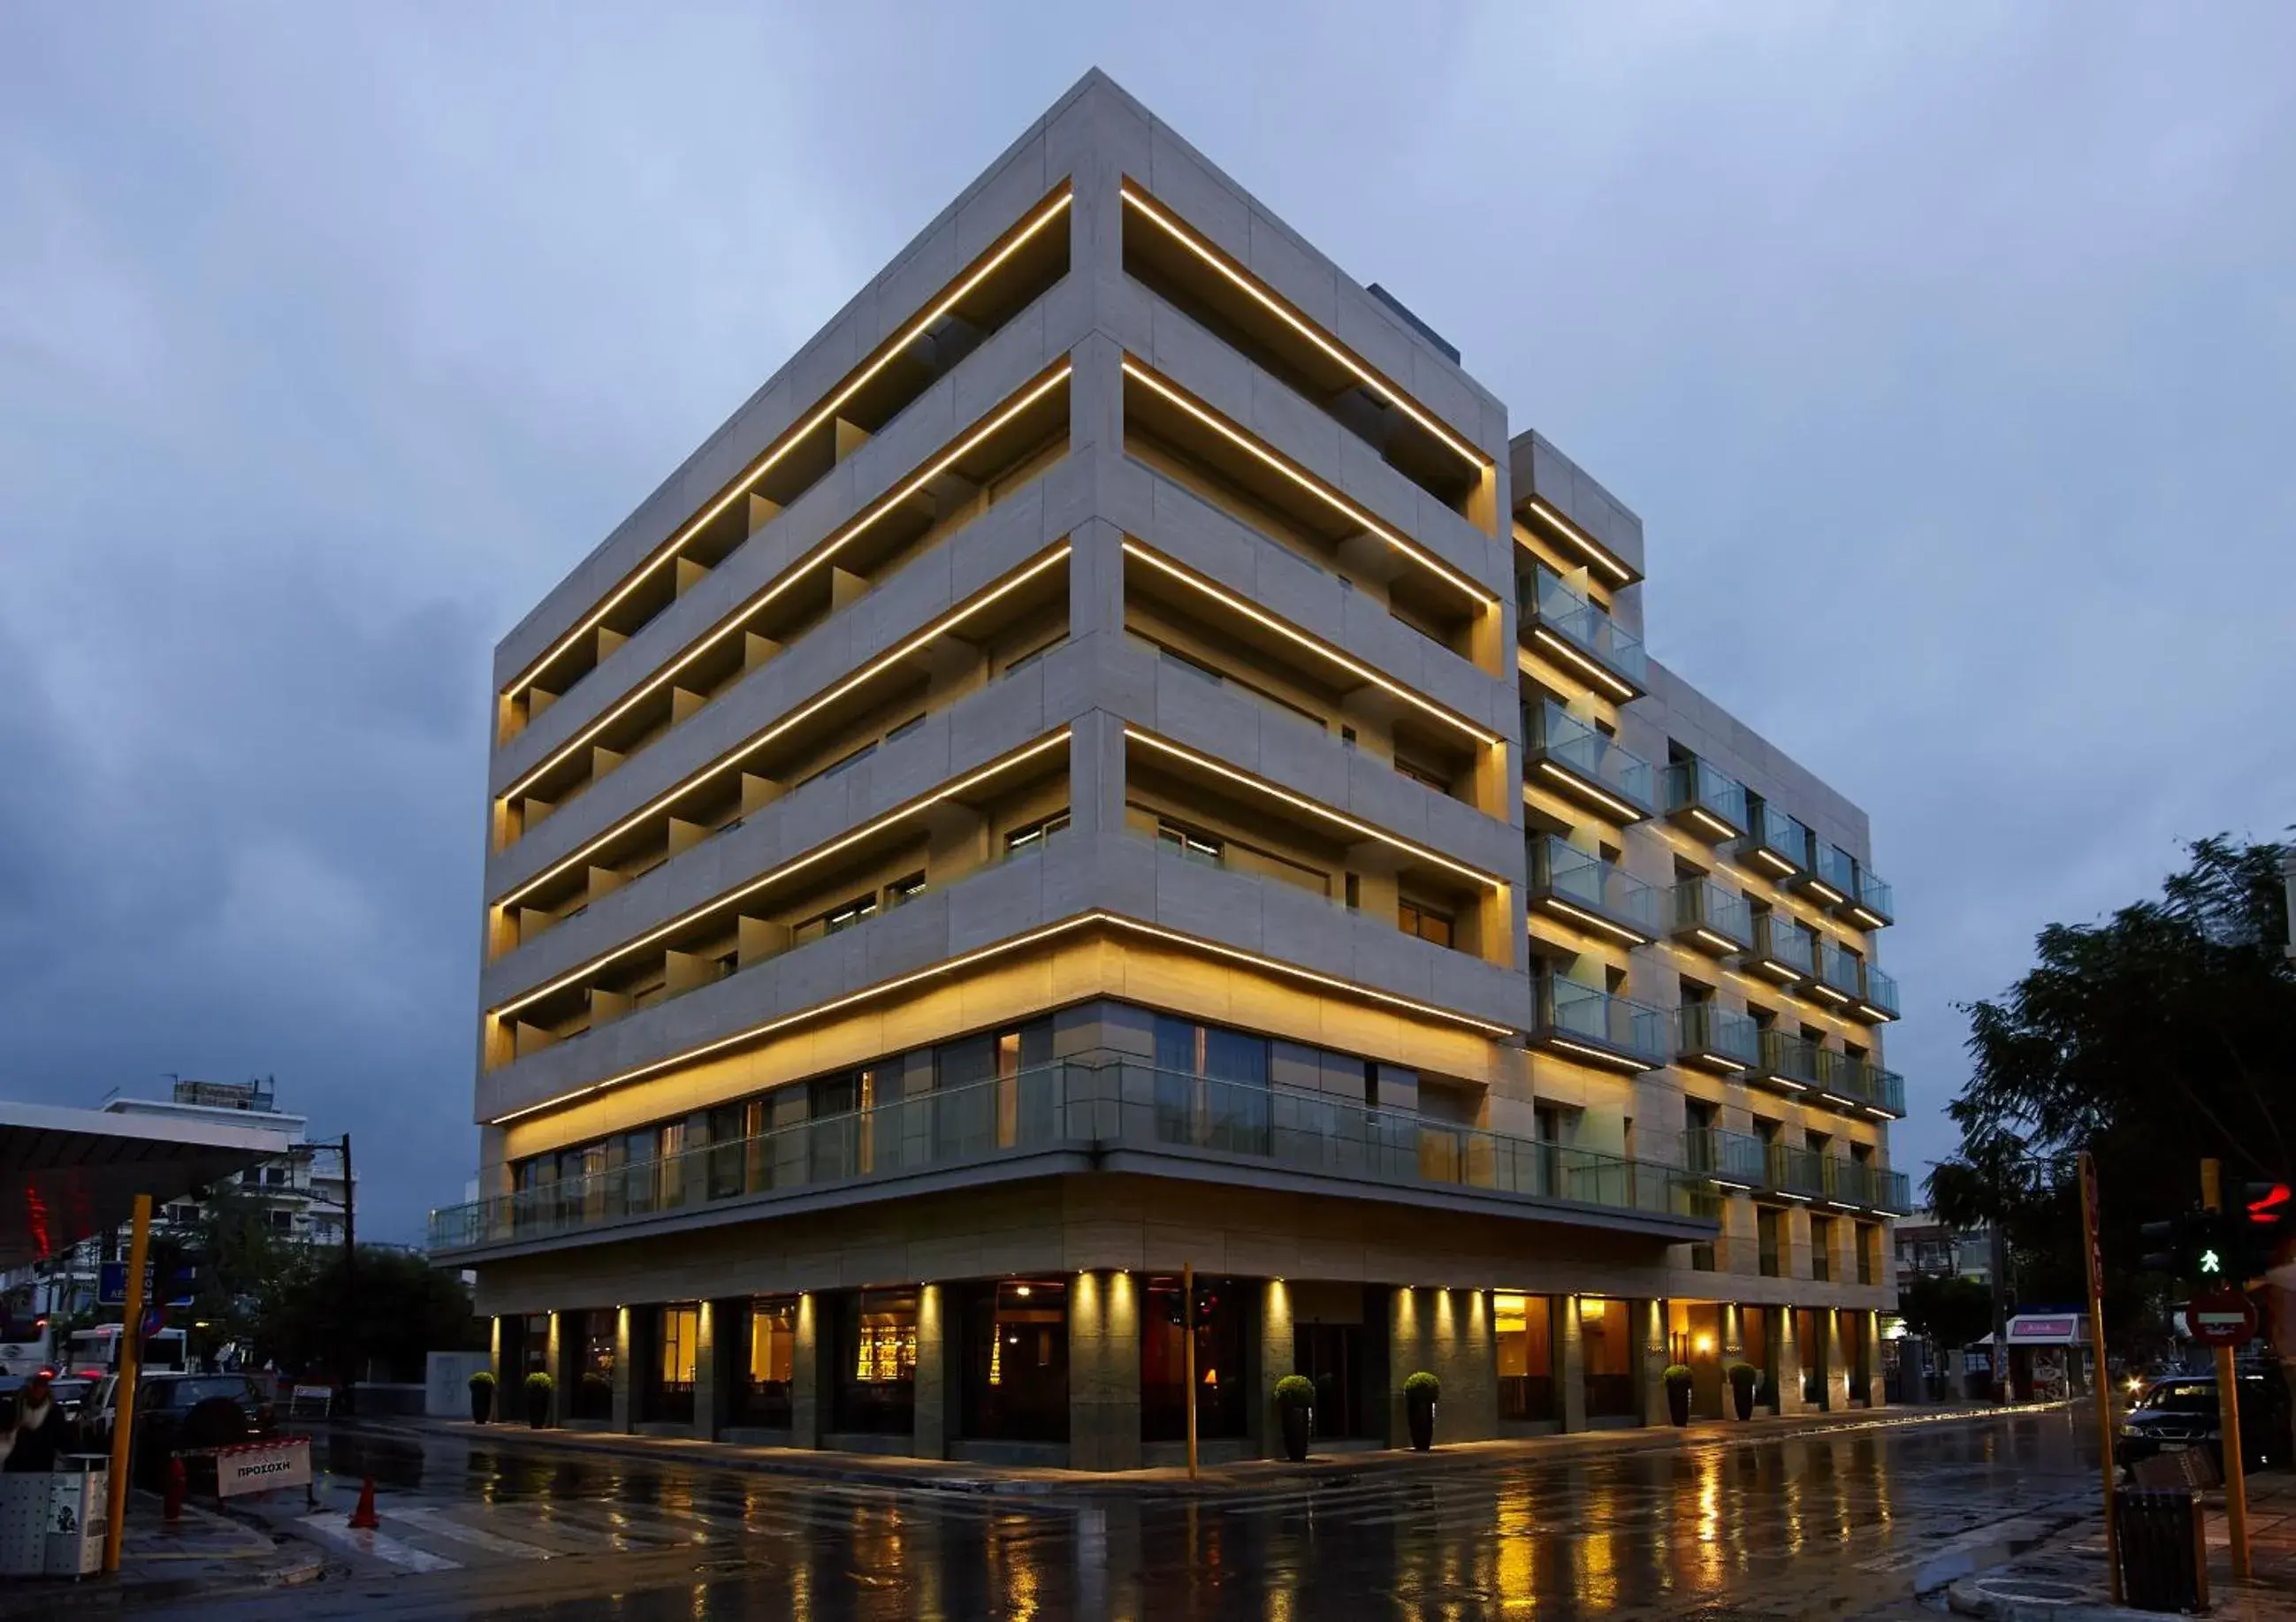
1560	869
1836	868
1692	787
1544	599
1566	1012
1789	1057
1089	1109
1584	751
1775	843
1700	905
1709	1030
1794	1171
1838	969
1778	940
1729	1157
1881	989
1875	895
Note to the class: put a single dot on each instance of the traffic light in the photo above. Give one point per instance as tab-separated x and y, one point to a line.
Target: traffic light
2187	1247
2255	1231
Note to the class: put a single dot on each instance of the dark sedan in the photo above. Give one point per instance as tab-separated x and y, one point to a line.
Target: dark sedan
2181	1412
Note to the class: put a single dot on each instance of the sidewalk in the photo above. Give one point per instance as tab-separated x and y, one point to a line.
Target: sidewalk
958	1476
2066	1580
203	1556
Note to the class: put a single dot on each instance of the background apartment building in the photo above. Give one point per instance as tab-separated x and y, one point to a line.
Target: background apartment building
1113	762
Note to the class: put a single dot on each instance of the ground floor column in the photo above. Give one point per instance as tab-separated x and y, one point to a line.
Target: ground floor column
625	1404
807	1395
1837	1371
1733	1351
553	1362
1648	1321
1877	1390
1571	1368
1104	1371
710	1388
935	1402
1787	1378
1278	1353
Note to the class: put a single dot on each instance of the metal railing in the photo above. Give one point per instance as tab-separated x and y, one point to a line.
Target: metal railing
1693	785
1561	869
1093	1108
1566	1009
1701	904
1583	623
1582	749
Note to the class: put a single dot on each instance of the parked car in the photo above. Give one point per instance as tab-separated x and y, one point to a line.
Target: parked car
2181	1412
181	1413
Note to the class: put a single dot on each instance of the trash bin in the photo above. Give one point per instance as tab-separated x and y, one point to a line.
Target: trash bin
77	1490
2163	1559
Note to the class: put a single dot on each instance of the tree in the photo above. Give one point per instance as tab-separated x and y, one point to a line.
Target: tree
403	1308
1953	1312
243	1264
2160	1035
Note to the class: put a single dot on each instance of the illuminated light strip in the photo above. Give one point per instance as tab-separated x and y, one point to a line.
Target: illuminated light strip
1825	891
819	556
1617	1060
1339	503
1585	542
915	330
1568	911
1721	942
1735	1188
1594	672
822	853
1363	374
1871	920
1360	671
1790	976
876	666
1779	861
1625	811
1789	1194
1205	763
965	960
1716	1062
1872	1012
1840	1000
1708	820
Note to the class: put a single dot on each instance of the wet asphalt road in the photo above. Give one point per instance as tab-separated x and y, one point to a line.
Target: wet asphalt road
1849	1524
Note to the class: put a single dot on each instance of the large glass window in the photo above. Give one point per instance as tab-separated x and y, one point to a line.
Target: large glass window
1606	1343
592	1396
1754	1346
1524	1326
997	1091
1015	1360
1211	1086
768	1364
1809	1341
671	1360
1220	1395
874	1389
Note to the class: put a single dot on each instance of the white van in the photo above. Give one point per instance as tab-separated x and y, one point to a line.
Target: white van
96	1351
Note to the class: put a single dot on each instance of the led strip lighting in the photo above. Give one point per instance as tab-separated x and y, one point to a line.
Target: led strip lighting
1598	1055
1625	811
1865	915
820	854
1339	503
1707	819
1133	734
820	555
1585	542
1622	691
1549	903
1001	948
875	667
1283	312
1362	672
741	486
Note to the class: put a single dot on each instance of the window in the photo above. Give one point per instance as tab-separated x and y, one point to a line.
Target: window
1771	1235
836	767
1195	847
1030	839
1033	655
905	728
1523	1327
903	890
1424	922
1425	777
1821	1248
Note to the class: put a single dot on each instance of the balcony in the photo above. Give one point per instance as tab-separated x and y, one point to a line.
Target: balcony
1073	1117
1582	634
1838	980
1717	1038
1833	876
1589	1024
1732	1159
1873	903
1877	999
1866	1187
1710	919
1786	1061
1704	801
1775	845
1586	890
1856	1083
1571	756
1783	950
1799	1173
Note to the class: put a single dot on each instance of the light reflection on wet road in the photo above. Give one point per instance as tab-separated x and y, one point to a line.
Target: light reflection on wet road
1847	1524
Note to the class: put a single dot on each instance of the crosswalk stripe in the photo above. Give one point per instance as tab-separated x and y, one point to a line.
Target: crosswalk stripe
334	1526
436	1521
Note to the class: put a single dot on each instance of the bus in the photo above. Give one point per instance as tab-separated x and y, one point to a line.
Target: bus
27	1343
95	1352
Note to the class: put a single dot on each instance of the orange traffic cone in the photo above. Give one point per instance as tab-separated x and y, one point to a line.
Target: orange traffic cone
171	1506
363	1517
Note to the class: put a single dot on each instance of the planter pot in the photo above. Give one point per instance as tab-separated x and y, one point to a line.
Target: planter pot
482	1404
1741	1397
1297	1422
537	1409
1678	1403
1420	1411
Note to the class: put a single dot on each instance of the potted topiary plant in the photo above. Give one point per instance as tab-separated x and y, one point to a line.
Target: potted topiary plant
538	1399
1295	1405
1677	1392
1420	1391
482	1395
1743	1376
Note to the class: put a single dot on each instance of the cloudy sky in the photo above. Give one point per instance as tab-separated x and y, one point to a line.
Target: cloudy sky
1948	352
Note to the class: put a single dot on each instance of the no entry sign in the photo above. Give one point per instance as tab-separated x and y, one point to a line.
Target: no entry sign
2223	1316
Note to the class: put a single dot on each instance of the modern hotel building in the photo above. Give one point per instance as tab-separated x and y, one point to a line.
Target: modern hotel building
1114	763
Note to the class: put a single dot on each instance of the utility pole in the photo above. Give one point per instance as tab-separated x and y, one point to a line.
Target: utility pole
350	1284
1999	1235
2092	1257
2235	1456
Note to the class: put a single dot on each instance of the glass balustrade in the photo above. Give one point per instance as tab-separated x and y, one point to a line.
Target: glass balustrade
1709	1030
1583	750
1836	870
1567	1011
1692	787
1585	623
1579	877
1089	1109
1779	941
1796	1171
1777	843
1717	919
1874	894
1838	969
1786	1057
1730	1157
1880	990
